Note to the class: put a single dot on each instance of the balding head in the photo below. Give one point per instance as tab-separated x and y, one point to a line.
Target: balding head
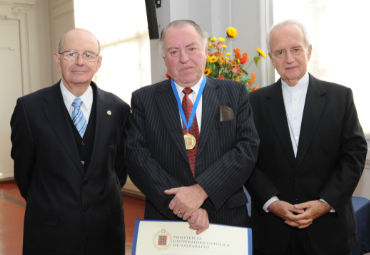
78	32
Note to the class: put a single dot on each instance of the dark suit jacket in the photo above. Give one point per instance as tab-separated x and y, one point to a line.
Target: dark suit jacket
330	159
69	209
225	157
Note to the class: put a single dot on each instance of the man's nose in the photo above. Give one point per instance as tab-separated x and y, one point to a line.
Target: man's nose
289	56
79	59
183	56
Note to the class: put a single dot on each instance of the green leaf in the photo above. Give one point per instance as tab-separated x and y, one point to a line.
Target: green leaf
256	59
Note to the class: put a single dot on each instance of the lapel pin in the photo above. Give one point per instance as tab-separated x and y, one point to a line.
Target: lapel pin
109	112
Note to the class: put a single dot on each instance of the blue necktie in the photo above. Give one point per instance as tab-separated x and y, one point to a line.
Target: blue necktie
77	116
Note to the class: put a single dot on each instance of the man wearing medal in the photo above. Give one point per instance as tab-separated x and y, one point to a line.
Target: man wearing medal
192	142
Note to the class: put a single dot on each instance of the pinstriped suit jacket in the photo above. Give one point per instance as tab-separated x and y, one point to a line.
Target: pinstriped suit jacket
226	154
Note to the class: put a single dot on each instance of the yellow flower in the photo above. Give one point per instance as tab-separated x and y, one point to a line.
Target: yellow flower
221	39
210	45
207	71
224	46
231	32
261	52
227	59
212	59
213	39
228	53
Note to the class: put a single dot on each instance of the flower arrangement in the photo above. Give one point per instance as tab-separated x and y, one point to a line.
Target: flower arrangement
233	66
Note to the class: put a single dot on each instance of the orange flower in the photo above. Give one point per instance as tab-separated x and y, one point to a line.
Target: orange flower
220	76
253	79
255	88
243	60
245	55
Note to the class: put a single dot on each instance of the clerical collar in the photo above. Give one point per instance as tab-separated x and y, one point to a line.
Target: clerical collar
301	85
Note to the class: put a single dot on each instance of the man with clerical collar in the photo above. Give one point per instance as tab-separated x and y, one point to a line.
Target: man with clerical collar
68	143
311	156
192	141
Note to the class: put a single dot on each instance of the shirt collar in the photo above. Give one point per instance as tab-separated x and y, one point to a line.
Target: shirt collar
68	97
195	87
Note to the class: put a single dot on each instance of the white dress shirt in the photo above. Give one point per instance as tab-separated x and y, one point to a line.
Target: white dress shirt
86	97
193	96
294	101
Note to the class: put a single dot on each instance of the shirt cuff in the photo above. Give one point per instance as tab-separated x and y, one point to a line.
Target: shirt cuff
269	202
332	209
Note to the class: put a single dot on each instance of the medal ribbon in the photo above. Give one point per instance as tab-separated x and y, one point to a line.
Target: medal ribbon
187	125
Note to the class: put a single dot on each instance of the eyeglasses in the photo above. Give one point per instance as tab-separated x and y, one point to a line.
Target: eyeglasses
296	51
72	55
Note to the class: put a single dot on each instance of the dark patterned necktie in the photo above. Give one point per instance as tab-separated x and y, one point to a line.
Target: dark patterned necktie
187	106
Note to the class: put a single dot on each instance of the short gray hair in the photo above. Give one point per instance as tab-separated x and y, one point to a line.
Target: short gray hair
182	22
285	23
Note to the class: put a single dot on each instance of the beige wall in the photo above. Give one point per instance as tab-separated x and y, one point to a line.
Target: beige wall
33	28
61	16
28	65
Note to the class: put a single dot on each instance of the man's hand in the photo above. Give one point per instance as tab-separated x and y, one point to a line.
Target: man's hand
187	200
199	220
286	211
312	210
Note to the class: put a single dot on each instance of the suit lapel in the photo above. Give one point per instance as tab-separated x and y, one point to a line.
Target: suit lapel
210	107
314	106
277	115
169	112
55	113
102	124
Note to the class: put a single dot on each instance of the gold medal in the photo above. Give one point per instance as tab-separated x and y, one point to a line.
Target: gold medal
190	141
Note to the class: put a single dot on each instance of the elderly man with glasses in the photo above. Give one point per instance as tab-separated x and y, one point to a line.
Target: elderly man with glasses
68	143
311	155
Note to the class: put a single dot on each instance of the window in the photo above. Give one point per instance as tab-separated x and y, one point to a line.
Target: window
121	27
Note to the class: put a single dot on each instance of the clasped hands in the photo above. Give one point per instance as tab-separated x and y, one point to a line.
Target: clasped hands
299	215
187	203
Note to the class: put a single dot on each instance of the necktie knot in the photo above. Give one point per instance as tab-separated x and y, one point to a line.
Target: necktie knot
77	102
187	90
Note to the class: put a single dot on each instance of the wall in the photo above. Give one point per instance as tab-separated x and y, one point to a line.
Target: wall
26	48
61	16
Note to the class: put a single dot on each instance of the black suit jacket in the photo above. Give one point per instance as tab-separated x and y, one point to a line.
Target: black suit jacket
69	209
330	159
225	157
